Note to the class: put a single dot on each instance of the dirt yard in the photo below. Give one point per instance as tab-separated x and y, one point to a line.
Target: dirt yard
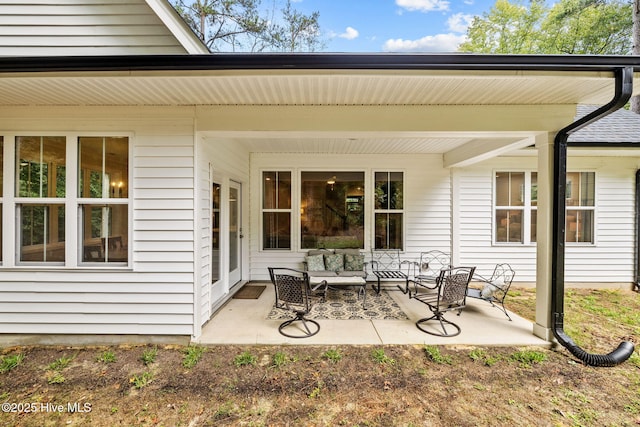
322	386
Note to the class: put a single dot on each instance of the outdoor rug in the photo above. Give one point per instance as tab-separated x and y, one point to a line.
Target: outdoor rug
249	292
344	304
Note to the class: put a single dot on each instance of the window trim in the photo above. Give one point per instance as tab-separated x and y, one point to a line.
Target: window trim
295	196
388	211
527	208
84	201
11	250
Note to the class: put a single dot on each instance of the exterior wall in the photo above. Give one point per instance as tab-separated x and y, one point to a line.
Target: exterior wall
155	293
220	160
609	260
86	27
427	202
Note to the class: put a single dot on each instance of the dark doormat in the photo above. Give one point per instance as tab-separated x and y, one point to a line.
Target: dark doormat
249	292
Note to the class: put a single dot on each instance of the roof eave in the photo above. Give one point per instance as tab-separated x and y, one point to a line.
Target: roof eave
318	61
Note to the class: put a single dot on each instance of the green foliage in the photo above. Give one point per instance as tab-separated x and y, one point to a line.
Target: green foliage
480	355
107	356
7	363
141	380
433	353
55	377
528	357
60	363
224	411
245	359
149	355
332	355
192	356
567	27
380	357
280	359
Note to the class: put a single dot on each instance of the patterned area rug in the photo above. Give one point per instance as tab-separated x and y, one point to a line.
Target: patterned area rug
344	304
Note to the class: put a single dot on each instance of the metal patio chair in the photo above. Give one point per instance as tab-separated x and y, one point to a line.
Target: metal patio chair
293	292
495	288
449	294
426	271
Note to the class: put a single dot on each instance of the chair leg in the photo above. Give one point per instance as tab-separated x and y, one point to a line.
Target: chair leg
501	307
443	321
307	332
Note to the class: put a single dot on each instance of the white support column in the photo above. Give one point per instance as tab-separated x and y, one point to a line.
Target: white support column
543	325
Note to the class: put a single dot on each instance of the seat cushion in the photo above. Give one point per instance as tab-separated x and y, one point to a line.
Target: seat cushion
323	273
315	262
349	273
312	252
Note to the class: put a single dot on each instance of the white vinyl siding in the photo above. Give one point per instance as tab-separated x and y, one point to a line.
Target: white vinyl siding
155	294
427	202
225	160
85	27
609	260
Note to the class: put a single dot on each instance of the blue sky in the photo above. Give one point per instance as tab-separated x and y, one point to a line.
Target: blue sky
393	25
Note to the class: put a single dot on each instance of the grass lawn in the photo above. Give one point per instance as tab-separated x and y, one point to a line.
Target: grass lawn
337	385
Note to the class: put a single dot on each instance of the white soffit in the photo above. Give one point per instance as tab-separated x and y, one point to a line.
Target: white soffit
304	88
383	145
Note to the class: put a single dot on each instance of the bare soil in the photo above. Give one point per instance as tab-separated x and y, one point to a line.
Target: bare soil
328	386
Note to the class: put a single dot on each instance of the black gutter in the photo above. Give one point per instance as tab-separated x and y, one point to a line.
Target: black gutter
317	61
623	91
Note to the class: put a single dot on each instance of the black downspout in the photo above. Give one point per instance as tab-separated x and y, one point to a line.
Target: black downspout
623	91
636	284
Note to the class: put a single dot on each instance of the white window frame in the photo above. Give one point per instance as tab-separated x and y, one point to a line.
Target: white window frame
388	211
295	196
73	246
527	208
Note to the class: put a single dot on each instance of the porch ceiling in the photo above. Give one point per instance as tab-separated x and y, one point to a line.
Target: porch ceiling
408	94
305	88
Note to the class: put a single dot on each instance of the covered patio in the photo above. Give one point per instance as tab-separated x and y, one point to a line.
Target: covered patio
244	321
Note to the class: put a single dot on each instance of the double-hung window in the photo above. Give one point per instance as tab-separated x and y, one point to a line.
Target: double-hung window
580	200
389	214
103	195
40	198
276	210
516	204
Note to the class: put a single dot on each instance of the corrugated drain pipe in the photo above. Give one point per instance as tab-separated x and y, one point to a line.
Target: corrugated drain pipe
623	91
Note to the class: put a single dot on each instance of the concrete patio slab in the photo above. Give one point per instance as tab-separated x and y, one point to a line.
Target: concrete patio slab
244	322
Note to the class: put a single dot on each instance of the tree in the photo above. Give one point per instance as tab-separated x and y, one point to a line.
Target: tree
297	33
238	25
507	28
568	27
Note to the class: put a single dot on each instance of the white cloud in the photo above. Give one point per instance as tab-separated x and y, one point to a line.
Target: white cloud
459	22
350	33
423	5
438	43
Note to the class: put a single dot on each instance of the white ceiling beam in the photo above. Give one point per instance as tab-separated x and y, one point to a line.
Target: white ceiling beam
483	149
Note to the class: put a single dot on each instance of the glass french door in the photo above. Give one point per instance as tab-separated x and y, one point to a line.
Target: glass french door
235	232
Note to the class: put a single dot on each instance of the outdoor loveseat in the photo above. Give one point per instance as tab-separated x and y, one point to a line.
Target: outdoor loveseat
335	263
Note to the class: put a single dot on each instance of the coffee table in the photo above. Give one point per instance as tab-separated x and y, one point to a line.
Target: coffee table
341	281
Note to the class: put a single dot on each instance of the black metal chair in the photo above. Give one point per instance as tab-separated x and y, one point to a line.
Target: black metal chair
449	294
293	292
427	270
496	287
